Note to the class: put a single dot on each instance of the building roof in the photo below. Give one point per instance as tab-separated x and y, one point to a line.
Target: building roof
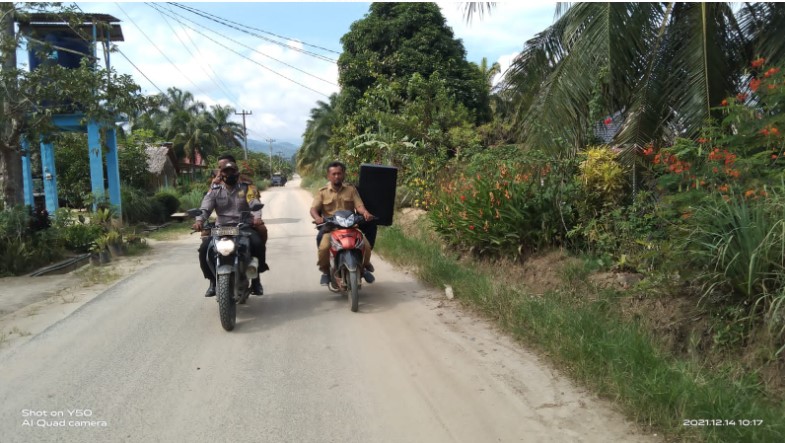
43	23
156	158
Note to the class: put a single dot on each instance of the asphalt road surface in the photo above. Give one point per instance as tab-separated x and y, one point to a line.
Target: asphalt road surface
147	361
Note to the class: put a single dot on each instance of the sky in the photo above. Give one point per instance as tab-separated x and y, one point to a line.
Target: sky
282	67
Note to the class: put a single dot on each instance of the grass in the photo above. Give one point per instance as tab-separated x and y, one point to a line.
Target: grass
583	333
93	275
171	232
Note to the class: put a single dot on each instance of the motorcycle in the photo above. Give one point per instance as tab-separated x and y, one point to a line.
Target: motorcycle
230	260
346	254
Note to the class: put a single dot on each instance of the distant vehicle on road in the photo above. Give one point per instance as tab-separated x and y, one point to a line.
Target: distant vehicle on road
278	180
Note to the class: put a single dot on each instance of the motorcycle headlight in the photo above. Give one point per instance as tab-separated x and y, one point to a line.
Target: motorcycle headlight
224	246
344	222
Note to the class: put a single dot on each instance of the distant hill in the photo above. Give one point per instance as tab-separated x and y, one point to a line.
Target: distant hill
286	149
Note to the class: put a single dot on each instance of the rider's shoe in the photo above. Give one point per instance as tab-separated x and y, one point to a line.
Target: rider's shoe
256	287
369	267
211	290
369	278
324	280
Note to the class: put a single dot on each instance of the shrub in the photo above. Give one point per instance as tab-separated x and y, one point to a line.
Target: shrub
192	199
507	206
169	200
138	208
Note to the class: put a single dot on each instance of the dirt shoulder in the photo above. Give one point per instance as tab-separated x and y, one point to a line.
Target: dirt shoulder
29	305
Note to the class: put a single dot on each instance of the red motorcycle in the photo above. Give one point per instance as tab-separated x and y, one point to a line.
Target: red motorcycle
346	254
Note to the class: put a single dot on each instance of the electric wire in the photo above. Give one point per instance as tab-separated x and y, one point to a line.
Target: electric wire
254	50
254	61
79	33
220	20
212	76
159	50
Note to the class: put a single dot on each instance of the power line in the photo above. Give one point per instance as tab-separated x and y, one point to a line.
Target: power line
252	49
140	71
214	76
159	50
222	20
254	61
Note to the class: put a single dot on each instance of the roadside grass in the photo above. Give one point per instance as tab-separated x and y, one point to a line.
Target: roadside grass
171	232
93	275
581	330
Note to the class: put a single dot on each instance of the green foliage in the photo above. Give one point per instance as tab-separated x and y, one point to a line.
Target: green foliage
602	182
138	208
192	199
738	245
506	206
169	200
22	249
394	41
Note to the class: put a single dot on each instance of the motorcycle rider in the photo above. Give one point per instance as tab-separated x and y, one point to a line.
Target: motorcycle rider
229	199
336	196
253	192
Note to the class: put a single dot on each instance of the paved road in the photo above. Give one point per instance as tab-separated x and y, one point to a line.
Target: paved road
147	361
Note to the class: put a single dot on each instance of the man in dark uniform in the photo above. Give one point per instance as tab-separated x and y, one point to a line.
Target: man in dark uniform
336	196
229	200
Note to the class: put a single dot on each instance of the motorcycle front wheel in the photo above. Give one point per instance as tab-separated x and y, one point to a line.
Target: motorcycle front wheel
354	290
224	293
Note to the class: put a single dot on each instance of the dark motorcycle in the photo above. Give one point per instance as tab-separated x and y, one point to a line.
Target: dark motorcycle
230	260
346	254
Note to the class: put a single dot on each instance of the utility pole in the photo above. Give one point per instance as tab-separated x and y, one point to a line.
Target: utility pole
245	131
271	141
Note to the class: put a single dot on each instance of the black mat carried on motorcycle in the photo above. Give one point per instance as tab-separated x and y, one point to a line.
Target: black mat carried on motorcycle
377	186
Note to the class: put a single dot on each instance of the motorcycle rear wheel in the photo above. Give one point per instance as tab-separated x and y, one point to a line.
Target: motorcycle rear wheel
227	309
354	290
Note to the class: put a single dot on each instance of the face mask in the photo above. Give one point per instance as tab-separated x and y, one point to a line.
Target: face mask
231	180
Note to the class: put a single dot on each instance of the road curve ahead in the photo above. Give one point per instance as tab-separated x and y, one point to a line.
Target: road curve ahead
148	361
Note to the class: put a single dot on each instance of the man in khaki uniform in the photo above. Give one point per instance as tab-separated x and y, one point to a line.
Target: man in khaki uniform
337	196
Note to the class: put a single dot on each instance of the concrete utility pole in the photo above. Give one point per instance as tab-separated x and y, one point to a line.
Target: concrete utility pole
271	141
245	131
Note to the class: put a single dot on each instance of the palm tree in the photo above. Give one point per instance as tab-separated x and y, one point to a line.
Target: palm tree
318	130
658	68
230	134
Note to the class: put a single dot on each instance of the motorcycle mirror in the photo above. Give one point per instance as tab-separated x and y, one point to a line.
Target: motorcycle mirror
193	212
257	206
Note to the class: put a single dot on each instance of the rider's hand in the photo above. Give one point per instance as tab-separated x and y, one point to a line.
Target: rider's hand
368	216
197	226
319	220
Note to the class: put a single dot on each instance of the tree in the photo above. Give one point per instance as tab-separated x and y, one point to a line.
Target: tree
30	99
395	41
660	69
318	130
229	133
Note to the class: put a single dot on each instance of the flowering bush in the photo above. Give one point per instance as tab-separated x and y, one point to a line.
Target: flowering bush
505	206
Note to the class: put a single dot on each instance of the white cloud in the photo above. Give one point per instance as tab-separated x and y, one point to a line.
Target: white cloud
280	107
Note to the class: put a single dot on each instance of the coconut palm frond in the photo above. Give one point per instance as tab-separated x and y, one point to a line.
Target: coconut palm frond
760	22
472	9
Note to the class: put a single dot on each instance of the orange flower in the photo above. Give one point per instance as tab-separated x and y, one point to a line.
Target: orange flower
758	62
771	72
771	87
723	188
686	215
471	227
702	140
754	84
608	121
749	193
774	156
463	198
774	131
724	102
764	131
741	96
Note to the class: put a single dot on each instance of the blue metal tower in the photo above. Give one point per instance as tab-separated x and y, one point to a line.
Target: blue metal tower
67	47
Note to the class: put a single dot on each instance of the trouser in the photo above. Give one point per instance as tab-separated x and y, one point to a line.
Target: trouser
323	255
258	250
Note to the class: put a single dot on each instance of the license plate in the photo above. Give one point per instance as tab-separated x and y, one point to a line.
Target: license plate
225	230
